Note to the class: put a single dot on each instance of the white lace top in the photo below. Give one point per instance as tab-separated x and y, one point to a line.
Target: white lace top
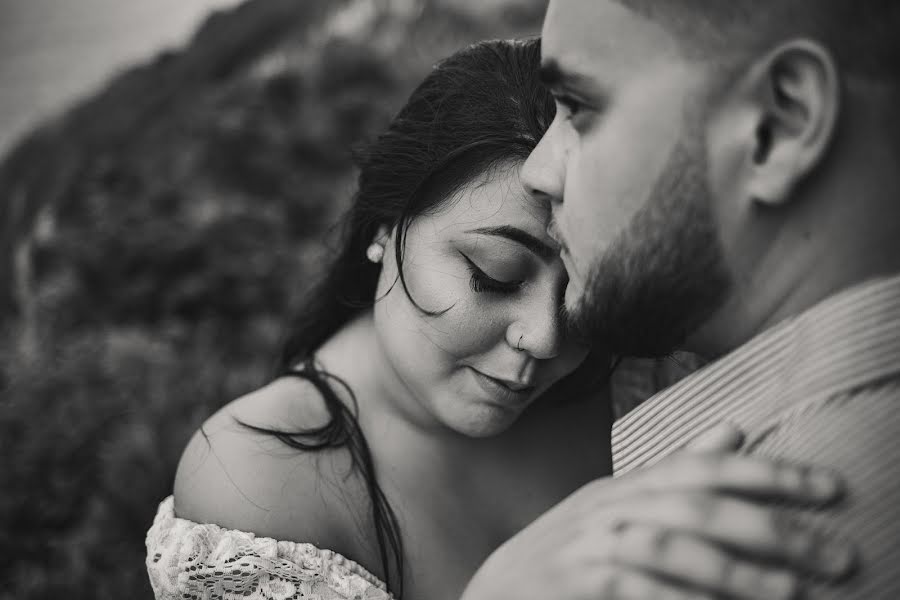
187	560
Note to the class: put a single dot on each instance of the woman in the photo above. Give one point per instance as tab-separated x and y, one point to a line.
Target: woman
412	431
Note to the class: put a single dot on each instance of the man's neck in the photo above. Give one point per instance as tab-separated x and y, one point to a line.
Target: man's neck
744	317
841	229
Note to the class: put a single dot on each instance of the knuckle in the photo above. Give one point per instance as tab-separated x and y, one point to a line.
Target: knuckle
725	574
780	586
789	590
644	544
620	527
777	527
603	552
660	541
576	555
700	510
609	583
712	466
787	477
743	580
636	585
702	468
672	593
739	579
790	535
622	549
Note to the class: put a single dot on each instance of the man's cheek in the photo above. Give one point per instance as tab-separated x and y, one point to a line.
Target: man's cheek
585	212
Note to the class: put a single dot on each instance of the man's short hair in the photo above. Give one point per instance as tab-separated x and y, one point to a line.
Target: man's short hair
862	35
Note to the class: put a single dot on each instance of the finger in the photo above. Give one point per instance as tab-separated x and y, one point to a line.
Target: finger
700	565
723	437
740	474
617	582
757	532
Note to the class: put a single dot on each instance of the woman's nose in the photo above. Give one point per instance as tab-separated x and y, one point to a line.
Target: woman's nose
539	331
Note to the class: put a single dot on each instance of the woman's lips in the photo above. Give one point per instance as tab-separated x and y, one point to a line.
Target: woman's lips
504	390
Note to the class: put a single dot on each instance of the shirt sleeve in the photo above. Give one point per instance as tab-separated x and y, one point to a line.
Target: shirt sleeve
858	435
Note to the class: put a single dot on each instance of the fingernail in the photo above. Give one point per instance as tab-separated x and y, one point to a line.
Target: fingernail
839	559
825	483
781	585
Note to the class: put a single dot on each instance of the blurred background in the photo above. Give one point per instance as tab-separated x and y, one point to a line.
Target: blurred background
168	180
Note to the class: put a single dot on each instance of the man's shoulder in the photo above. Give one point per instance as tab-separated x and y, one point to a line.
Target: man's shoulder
846	420
856	434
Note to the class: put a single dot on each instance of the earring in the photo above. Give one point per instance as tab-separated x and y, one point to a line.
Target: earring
375	252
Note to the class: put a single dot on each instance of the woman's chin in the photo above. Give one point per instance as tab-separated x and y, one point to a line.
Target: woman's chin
481	419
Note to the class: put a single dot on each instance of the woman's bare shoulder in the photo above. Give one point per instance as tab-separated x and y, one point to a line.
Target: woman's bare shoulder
238	477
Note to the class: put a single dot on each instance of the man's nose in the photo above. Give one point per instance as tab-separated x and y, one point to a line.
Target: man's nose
542	173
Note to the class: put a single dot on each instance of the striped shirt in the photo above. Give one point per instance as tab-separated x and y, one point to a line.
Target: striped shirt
820	388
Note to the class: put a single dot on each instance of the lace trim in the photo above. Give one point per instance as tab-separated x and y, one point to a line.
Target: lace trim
187	560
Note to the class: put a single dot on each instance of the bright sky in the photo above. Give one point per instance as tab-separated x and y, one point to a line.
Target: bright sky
53	52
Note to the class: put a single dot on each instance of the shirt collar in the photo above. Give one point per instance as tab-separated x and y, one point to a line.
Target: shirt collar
848	340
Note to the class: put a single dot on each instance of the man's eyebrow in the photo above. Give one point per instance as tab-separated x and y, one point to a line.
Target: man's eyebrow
539	247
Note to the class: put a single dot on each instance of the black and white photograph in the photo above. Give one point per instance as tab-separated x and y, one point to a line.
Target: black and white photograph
450	299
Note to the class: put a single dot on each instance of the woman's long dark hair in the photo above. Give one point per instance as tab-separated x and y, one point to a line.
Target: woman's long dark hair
481	108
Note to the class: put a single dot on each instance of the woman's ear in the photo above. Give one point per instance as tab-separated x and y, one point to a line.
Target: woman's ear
382	235
375	251
797	98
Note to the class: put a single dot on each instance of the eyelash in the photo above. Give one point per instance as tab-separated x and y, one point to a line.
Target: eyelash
481	282
572	106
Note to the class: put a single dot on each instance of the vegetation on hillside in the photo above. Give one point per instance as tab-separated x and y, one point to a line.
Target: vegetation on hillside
157	237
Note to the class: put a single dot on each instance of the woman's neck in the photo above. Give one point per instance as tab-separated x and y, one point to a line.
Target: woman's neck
487	488
399	429
356	356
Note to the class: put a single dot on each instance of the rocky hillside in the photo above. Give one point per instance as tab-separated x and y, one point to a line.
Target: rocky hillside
155	237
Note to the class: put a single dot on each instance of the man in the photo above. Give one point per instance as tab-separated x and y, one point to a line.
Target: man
726	180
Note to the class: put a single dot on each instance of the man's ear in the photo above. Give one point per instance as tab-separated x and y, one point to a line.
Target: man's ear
793	94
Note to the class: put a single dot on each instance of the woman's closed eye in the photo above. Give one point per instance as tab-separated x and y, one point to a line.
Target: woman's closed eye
574	111
482	282
569	105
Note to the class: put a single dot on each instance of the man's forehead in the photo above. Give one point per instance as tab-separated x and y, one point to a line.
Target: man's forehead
582	36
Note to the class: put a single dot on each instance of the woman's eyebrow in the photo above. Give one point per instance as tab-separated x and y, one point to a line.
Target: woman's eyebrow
539	247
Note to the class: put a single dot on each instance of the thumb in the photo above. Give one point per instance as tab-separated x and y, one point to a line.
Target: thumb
723	437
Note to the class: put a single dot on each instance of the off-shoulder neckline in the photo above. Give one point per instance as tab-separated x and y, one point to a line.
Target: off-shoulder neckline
167	511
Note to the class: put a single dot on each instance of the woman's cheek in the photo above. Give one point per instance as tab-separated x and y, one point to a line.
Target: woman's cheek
422	337
465	322
473	326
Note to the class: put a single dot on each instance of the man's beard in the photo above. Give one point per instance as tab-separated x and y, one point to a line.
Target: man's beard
665	274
